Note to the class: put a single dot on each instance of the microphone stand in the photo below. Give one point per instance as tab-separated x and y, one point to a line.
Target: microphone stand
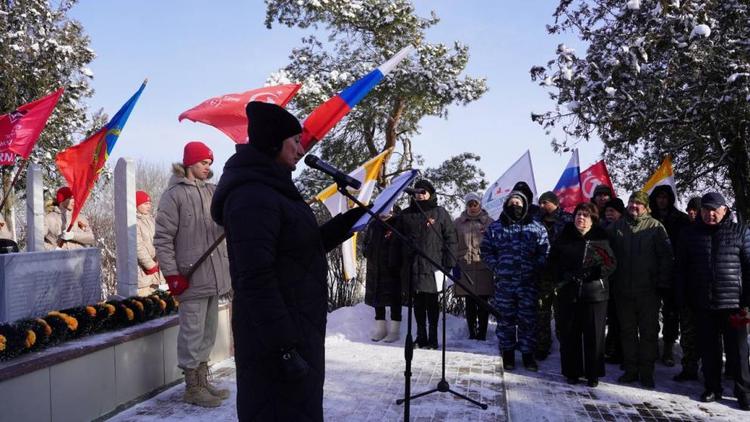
443	386
409	346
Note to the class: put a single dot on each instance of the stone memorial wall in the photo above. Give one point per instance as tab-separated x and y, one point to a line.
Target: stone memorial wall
34	283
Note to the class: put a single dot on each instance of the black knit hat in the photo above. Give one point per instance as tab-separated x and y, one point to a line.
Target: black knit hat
602	190
549	197
269	125
694	204
426	185
616	204
524	188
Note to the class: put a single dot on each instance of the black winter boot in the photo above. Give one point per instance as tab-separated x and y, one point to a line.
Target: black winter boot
529	362
687	374
509	360
667	357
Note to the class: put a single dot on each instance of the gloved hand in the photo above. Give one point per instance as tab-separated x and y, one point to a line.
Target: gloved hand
456	272
177	284
293	366
739	319
590	273
356	213
66	236
153	270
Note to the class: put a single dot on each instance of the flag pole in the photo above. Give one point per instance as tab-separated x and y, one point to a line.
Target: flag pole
6	194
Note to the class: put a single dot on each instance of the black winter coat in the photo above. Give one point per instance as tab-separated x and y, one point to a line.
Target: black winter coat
713	265
278	266
439	244
582	264
383	282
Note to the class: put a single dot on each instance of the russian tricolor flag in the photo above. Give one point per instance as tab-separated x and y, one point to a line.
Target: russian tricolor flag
568	188
325	117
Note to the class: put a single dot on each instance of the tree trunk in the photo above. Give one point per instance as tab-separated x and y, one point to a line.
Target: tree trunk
393	121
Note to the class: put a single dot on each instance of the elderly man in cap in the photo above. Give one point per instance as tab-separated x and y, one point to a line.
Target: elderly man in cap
713	266
644	265
553	218
515	249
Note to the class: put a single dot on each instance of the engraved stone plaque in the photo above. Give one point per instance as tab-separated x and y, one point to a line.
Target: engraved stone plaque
34	283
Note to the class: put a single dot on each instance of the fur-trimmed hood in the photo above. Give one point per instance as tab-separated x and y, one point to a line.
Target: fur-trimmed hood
179	175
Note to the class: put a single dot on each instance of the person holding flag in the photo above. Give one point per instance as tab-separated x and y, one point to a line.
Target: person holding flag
184	231
57	221
277	257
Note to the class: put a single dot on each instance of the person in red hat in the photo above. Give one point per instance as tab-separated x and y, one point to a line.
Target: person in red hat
184	231
149	276
56	223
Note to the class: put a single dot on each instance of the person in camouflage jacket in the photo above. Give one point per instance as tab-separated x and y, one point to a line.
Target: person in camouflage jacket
515	249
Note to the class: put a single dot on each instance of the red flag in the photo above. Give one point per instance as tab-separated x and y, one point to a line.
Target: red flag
227	112
594	176
20	129
81	164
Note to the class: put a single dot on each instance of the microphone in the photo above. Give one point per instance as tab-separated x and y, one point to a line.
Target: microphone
338	176
413	191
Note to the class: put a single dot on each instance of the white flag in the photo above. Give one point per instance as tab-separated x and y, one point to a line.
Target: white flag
494	197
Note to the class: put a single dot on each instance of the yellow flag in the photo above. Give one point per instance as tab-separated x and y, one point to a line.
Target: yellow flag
337	203
662	176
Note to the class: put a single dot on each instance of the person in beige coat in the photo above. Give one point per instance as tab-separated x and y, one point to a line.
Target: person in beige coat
149	276
57	220
470	227
184	231
4	232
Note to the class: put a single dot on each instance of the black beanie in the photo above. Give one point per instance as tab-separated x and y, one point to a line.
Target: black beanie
269	125
426	185
694	204
615	204
524	188
549	197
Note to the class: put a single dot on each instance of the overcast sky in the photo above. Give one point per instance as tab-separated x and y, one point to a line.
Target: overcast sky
191	50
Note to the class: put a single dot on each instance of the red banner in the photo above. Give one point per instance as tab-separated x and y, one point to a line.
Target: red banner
227	112
594	176
20	129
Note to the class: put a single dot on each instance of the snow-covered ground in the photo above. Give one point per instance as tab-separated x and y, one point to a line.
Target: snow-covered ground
363	380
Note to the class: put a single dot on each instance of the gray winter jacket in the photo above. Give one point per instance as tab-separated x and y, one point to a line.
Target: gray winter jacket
185	230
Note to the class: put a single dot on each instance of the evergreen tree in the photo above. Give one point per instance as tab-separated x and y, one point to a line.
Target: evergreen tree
361	36
658	77
43	50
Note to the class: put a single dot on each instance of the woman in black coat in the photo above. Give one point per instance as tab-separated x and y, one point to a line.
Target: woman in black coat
431	229
383	282
582	261
279	269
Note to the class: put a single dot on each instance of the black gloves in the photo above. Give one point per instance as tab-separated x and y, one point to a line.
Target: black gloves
293	367
589	274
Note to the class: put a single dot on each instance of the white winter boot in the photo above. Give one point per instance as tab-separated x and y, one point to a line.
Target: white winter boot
394	332
378	332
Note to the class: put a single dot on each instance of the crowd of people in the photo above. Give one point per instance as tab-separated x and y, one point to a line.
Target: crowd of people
606	274
613	275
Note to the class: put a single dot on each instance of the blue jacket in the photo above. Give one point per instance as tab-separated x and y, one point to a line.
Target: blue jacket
515	251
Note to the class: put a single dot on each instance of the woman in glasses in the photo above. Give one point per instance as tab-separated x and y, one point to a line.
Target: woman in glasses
582	261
